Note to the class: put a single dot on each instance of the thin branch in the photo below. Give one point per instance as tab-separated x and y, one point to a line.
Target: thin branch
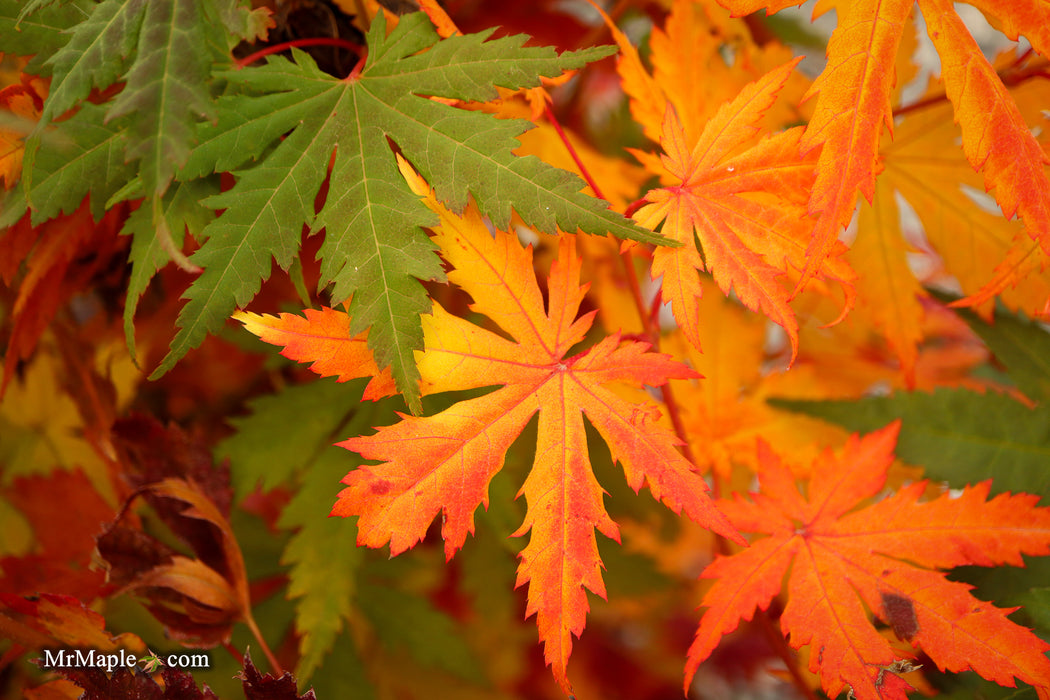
650	322
274	664
300	43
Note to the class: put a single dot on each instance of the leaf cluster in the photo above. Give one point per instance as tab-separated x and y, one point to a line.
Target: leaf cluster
806	315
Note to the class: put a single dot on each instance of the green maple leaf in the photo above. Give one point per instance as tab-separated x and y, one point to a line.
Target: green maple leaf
94	56
179	210
294	119
287	440
85	156
324	560
164	52
132	145
41	35
151	662
166	91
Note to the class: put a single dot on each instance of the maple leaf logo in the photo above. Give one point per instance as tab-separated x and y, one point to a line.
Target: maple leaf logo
885	558
151	662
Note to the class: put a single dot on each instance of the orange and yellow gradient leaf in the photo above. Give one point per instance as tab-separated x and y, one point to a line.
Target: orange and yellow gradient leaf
746	208
323	338
443	463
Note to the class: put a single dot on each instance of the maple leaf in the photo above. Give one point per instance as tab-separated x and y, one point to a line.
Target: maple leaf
853	105
887	558
988	254
374	248
179	211
725	411
165	91
1021	346
100	49
132	144
273	446
86	156
38	32
962	436
743	207
695	37
443	463
324	338
164	53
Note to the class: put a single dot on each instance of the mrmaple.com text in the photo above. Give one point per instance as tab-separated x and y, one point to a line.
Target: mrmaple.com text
108	661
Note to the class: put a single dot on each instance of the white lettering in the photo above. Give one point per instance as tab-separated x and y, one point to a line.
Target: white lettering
108	662
189	660
200	660
53	660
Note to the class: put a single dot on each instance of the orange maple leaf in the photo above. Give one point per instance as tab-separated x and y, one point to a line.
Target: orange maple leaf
694	41
49	620
745	207
986	253
886	558
853	104
323	337
443	463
